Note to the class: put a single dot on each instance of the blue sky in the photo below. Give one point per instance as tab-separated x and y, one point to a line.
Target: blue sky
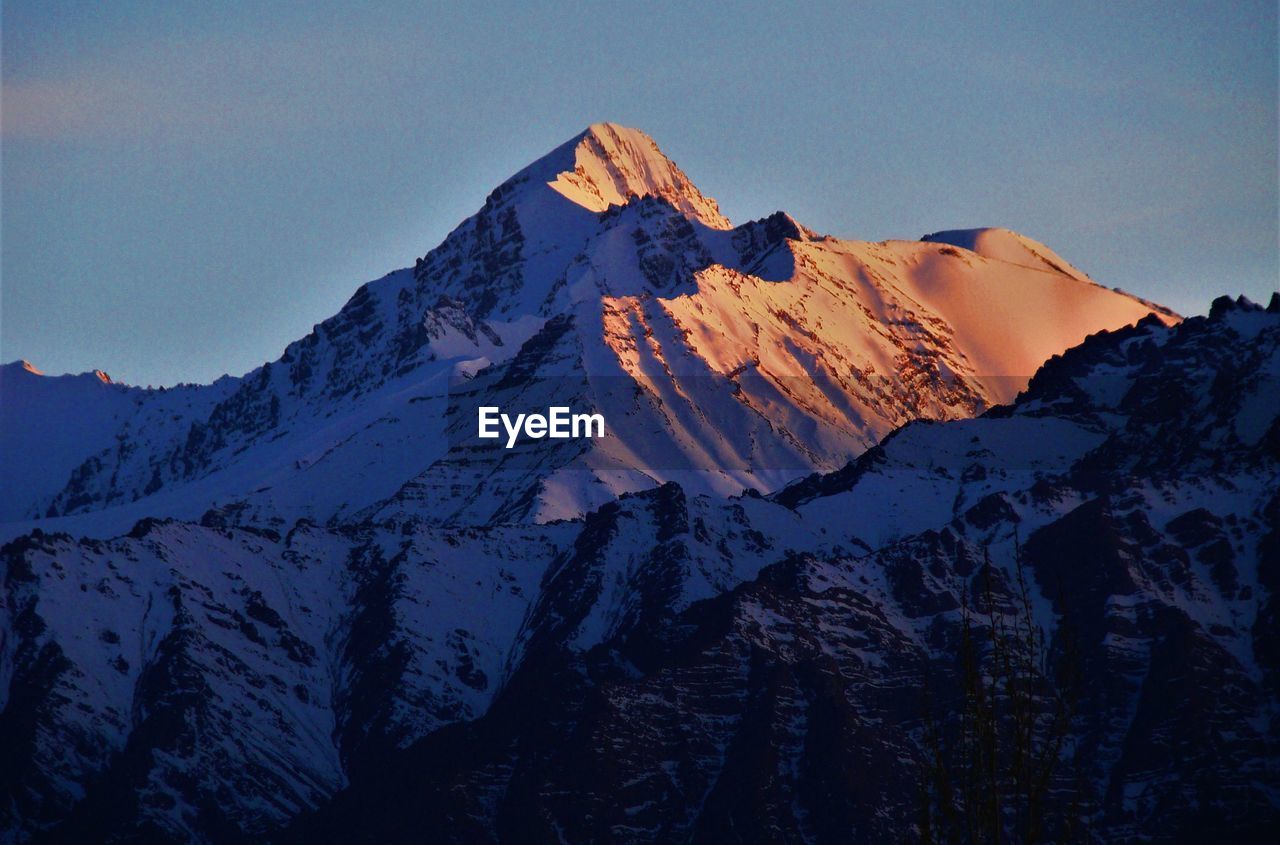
189	187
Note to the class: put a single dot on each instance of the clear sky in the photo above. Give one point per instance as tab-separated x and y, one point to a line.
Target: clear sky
187	187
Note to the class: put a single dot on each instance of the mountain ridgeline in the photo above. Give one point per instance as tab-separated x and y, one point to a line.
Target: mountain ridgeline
723	358
307	604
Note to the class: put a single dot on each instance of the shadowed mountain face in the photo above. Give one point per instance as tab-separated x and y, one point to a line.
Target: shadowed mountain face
308	604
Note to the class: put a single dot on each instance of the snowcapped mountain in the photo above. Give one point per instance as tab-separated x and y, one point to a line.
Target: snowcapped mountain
308	604
721	357
678	666
696	668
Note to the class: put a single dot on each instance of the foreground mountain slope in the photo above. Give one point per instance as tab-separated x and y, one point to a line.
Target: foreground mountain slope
679	666
722	357
1140	472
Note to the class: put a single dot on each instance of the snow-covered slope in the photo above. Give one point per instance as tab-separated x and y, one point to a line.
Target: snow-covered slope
674	666
722	357
49	425
1010	247
693	670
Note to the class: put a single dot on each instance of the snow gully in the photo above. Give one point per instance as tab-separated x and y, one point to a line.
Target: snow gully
558	423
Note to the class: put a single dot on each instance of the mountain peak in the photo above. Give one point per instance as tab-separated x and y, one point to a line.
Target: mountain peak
21	365
608	164
1002	244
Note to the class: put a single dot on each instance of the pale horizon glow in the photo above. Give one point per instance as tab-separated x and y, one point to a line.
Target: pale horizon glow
187	189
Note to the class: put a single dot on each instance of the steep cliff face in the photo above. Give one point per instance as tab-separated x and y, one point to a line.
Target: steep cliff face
680	666
723	358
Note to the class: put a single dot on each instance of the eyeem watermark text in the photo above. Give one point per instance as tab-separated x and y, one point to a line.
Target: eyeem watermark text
558	423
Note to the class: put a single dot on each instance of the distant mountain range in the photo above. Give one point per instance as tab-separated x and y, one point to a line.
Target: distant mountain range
308	602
